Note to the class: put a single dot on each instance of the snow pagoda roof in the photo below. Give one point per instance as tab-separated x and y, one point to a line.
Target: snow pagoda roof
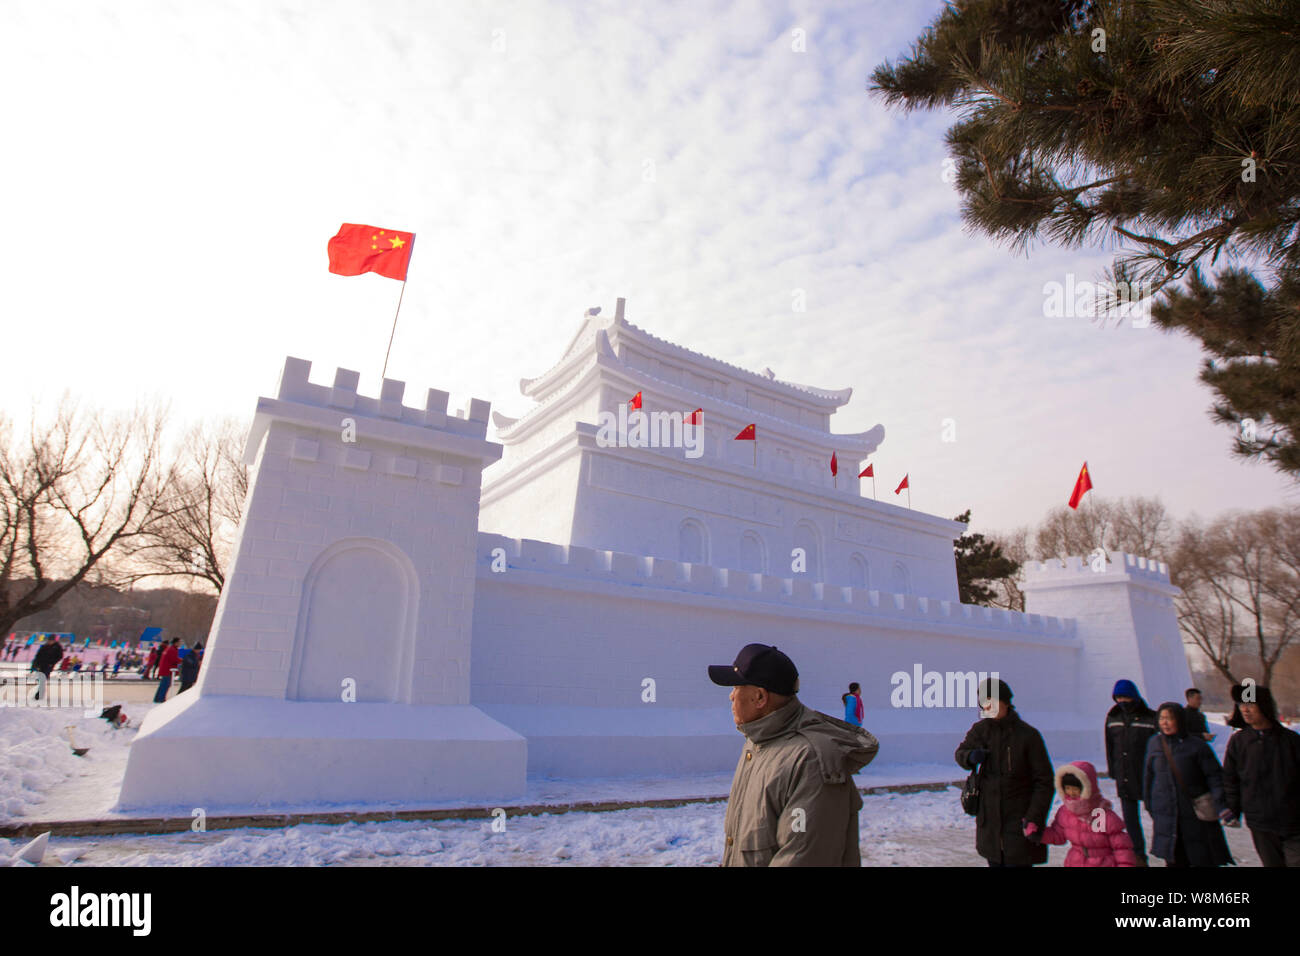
618	330
595	349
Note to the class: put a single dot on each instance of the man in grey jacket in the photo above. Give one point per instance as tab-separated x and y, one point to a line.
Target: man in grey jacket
793	800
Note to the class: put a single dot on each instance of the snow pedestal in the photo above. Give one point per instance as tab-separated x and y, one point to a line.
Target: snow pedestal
223	750
339	663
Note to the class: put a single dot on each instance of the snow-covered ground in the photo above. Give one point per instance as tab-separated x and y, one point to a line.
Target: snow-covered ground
40	779
897	829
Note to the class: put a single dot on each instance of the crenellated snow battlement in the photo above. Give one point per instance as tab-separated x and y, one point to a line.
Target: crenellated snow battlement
1120	564
616	567
470	420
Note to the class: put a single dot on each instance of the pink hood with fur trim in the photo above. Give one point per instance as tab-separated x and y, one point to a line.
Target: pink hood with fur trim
1094	831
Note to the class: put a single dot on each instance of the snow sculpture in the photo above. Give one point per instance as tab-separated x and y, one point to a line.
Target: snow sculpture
338	667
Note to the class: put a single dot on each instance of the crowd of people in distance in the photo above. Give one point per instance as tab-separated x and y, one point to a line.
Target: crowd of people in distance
168	660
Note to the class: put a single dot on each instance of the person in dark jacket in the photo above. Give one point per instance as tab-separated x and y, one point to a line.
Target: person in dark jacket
190	668
1261	778
47	655
1130	724
1016	781
1178	769
1197	725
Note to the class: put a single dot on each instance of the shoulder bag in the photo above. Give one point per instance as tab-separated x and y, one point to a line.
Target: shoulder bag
970	793
1204	804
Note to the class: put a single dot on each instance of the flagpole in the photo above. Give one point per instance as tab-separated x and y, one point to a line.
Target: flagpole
909	494
384	373
873	486
1101	538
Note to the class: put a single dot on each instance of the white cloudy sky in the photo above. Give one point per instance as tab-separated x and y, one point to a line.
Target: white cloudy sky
172	172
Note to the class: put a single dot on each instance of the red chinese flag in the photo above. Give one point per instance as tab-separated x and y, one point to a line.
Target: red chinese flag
696	417
357	249
635	401
868	472
746	434
835	468
1082	483
902	484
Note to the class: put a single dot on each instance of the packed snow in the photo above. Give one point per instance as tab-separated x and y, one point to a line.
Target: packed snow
897	829
41	779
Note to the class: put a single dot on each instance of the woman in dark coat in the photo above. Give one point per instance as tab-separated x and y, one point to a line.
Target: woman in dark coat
1016	781
1180	837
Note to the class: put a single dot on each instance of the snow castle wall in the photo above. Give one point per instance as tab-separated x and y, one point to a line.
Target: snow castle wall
373	645
338	664
566	638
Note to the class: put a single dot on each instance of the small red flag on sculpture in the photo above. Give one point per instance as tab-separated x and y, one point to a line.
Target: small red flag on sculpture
696	417
634	401
746	434
868	472
1082	484
902	484
357	249
835	468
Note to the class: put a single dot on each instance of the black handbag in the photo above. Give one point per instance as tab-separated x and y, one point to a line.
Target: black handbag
1203	804
970	793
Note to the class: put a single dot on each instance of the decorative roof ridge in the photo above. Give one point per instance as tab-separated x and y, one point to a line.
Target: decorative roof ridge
841	396
569	352
874	433
506	427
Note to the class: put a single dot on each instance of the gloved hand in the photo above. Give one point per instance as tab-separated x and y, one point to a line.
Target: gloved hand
978	756
1033	832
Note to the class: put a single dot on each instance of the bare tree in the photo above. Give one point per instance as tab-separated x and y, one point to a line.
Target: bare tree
206	501
73	491
1207	615
1141	526
1144	527
1007	591
1240	578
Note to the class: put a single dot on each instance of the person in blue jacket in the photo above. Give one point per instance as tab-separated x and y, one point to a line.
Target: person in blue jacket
853	711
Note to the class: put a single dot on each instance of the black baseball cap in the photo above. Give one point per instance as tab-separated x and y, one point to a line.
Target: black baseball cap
758	665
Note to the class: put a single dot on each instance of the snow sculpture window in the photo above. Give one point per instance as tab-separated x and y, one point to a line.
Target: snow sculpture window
807	538
692	544
752	553
356	621
859	572
900	580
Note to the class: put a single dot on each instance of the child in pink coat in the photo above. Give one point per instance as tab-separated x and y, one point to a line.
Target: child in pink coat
1085	821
